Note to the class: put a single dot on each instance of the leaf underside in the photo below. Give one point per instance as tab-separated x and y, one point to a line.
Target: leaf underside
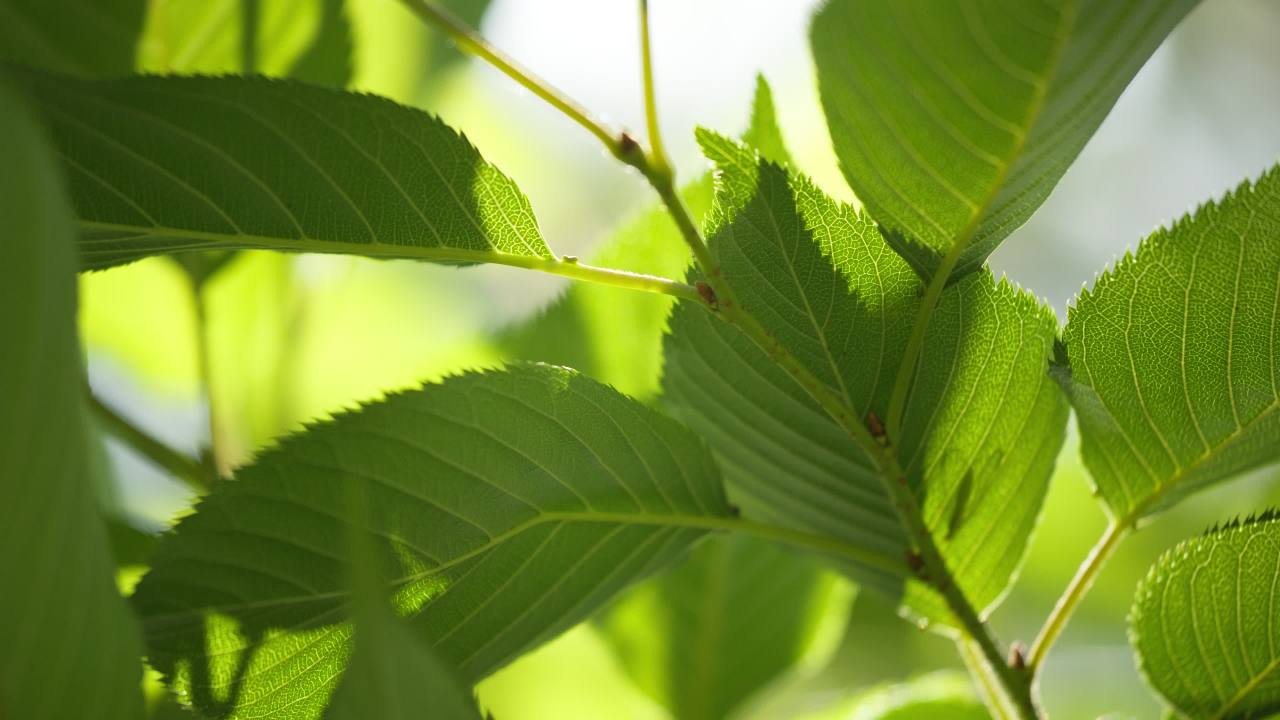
165	165
953	122
981	429
1173	358
508	506
1206	624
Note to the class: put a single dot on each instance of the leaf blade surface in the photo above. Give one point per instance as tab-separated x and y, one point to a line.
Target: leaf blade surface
508	505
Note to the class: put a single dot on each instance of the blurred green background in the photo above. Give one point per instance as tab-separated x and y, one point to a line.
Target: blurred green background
294	338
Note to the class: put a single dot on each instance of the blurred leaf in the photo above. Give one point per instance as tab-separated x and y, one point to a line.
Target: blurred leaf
204	36
981	429
512	505
61	621
947	695
129	545
392	674
178	164
1172	355
954	121
91	38
763	133
328	59
734	616
1204	622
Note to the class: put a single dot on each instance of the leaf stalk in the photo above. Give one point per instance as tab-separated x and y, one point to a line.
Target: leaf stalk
1075	592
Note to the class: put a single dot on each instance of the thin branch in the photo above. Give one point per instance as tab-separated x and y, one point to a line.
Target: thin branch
655	168
657	152
217	432
1075	592
184	468
472	42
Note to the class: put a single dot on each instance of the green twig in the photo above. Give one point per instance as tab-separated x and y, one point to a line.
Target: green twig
657	151
184	468
1075	592
470	41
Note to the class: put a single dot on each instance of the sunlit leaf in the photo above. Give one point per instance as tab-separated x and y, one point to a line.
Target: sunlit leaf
1173	355
1206	626
62	623
186	37
954	121
90	38
162	165
734	616
509	505
981	428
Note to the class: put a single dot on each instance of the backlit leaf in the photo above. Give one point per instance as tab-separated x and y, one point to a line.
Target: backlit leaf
716	629
953	121
1206	626
981	428
162	165
1173	357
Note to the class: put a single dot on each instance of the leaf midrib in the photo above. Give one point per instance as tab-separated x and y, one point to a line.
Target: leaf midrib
1210	455
710	523
1066	20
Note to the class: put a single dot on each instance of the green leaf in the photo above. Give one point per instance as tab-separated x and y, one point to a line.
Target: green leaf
205	37
1172	356
764	133
1205	622
939	695
981	429
953	122
327	61
705	636
62	623
509	506
392	674
180	164
91	38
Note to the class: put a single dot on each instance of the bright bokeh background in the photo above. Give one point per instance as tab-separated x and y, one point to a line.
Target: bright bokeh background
296	338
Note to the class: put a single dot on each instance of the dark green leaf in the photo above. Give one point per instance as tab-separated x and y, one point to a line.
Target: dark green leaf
328	59
162	165
91	38
1172	355
392	674
953	121
702	638
509	505
62	623
981	429
1206	626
